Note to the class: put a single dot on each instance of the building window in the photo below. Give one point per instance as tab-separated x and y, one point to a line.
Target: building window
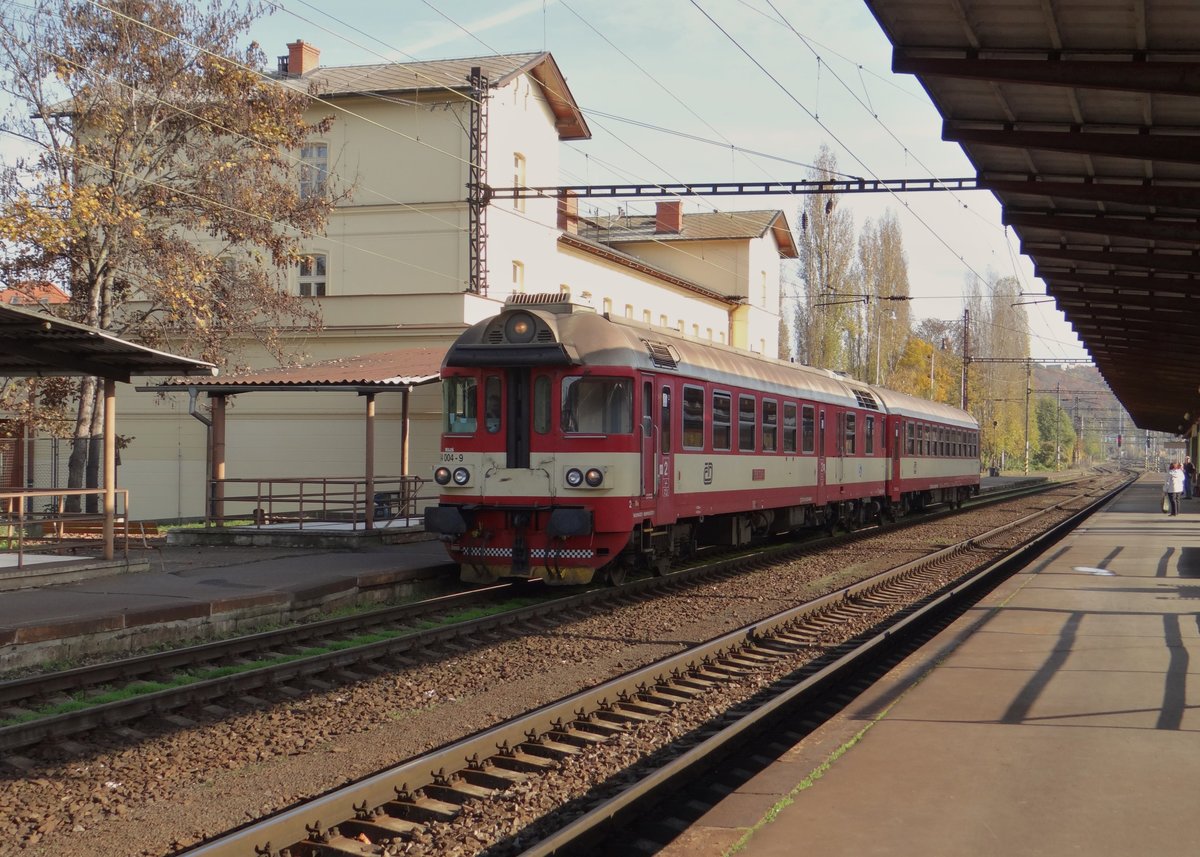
312	275
518	179
662	320
646	316
709	331
314	169
696	330
518	281
629	310
607	306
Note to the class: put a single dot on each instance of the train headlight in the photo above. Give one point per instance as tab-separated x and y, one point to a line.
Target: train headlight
519	327
594	477
442	476
461	476
574	477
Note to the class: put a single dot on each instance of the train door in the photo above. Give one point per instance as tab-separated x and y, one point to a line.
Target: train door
649	442
897	439
519	410
821	475
665	485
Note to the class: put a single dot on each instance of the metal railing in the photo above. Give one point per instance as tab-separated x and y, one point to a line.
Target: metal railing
39	519
313	501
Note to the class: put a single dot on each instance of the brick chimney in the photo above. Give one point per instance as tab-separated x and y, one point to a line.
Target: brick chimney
568	212
669	216
302	58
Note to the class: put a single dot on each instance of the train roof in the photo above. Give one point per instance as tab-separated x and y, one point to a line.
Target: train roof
925	409
567	334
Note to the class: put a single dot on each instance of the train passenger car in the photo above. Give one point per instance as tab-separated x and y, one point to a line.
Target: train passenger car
573	442
934	452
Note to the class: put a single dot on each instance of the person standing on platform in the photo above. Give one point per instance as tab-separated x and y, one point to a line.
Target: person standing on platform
1173	486
1189	477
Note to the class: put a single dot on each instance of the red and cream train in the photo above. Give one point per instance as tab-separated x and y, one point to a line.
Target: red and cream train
575	443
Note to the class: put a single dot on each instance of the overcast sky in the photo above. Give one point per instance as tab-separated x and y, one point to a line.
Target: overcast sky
719	91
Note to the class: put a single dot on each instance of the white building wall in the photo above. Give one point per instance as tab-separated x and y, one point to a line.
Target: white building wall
397	273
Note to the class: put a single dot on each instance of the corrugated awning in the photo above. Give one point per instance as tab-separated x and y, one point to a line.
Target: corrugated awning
36	344
366	373
1084	120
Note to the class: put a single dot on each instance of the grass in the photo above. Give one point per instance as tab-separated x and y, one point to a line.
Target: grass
93	698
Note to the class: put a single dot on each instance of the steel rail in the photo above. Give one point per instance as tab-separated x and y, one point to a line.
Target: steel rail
302	822
268	644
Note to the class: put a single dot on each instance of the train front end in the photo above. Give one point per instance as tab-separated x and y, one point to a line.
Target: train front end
539	455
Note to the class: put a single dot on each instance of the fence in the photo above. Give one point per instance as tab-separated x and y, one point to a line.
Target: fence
39	519
36	463
301	501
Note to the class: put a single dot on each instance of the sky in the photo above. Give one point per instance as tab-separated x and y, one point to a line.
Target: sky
719	91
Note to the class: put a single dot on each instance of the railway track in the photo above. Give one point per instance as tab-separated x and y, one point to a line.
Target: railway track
320	654
598	758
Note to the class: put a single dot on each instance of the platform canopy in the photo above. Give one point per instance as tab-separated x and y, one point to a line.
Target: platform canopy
35	344
1084	120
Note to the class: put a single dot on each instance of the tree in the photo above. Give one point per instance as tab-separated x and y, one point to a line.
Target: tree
826	319
884	271
163	187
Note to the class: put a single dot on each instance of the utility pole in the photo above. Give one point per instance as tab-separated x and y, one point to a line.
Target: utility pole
1028	393
966	354
1057	426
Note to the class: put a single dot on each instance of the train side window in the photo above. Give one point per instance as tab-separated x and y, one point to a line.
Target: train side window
869	436
665	422
541	404
789	427
721	411
770	424
911	436
808	430
693	418
460	400
491	398
747	421
850	435
920	438
594	405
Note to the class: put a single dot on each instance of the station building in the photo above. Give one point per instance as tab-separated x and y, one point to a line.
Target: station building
414	258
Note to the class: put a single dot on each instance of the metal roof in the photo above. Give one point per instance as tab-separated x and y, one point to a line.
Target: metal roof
451	75
365	373
1083	118
702	226
36	344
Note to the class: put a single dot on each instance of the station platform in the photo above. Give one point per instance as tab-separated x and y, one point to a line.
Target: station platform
197	592
1058	716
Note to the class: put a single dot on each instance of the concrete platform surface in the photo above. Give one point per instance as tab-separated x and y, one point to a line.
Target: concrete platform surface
1059	716
189	586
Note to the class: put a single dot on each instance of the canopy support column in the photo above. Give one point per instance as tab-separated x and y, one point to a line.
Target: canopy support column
370	463
110	465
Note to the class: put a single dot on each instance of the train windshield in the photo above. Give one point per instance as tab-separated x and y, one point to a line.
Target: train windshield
460	398
597	405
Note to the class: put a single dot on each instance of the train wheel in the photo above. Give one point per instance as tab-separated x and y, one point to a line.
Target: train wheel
614	575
